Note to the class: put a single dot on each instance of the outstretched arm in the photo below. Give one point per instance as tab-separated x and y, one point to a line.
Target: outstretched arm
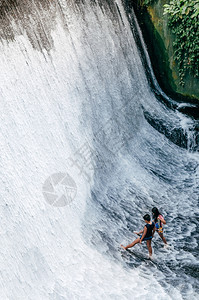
138	233
144	233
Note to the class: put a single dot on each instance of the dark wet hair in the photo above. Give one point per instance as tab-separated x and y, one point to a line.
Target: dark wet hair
156	213
147	217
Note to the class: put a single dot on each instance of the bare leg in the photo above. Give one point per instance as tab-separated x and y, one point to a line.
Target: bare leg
149	247
162	237
132	244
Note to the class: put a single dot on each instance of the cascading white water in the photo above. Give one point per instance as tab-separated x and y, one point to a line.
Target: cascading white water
73	91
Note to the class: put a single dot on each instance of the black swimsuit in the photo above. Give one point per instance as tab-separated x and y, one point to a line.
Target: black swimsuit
148	235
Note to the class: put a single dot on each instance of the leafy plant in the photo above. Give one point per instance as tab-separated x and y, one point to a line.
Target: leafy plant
184	23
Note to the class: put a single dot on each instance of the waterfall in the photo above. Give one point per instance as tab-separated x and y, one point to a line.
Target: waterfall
86	150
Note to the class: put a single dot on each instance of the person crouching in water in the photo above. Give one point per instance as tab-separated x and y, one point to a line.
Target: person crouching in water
147	234
159	221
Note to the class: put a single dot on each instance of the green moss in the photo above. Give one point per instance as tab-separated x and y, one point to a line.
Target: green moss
160	41
184	21
151	26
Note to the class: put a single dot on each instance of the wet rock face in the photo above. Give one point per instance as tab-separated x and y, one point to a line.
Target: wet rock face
159	40
35	19
188	139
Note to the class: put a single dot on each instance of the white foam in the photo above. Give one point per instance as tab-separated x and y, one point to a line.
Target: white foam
43	254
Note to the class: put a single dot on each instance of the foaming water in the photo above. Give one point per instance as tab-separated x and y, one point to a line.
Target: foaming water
80	84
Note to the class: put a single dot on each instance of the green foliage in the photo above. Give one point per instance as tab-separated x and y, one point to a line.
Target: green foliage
184	22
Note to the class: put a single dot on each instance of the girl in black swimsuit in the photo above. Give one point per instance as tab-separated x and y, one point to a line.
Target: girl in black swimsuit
147	235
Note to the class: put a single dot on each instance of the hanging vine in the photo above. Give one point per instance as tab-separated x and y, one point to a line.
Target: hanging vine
184	23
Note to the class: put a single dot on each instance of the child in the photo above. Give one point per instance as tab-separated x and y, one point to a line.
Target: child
159	221
147	235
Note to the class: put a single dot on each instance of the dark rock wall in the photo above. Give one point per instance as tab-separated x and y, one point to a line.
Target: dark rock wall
159	40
